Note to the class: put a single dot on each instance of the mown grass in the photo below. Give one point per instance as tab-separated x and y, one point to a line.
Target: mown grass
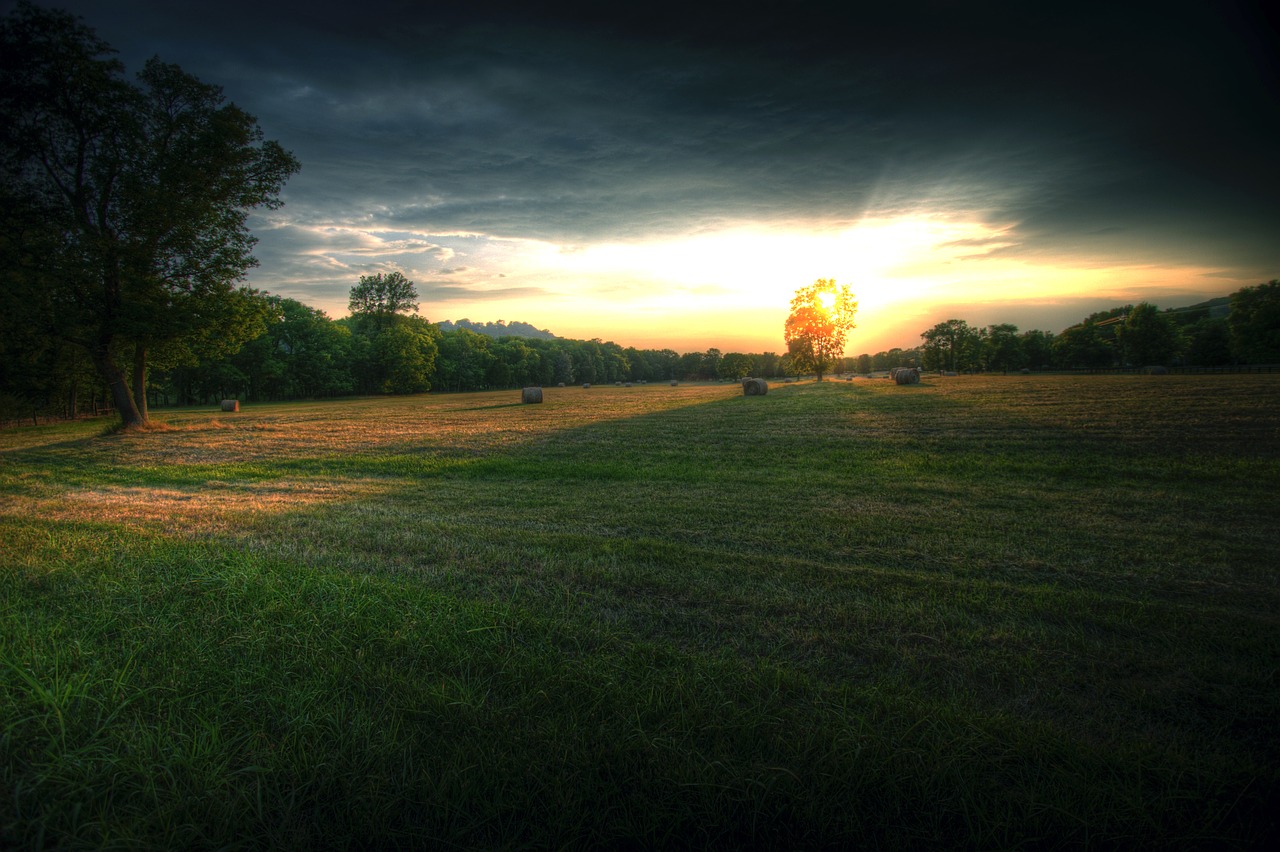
980	612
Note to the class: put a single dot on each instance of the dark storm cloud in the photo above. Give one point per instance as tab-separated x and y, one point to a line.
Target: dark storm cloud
1121	130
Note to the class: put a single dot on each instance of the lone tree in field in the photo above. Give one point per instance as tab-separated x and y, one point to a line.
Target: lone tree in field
819	324
125	203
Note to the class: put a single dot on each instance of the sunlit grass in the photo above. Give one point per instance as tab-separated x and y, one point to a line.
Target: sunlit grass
980	612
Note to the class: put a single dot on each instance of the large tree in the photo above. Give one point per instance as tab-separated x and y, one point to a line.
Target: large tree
126	202
819	324
380	298
949	345
1003	348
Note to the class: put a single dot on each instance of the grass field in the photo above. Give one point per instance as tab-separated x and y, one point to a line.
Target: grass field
983	612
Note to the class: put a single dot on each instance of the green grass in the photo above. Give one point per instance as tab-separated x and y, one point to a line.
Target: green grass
979	612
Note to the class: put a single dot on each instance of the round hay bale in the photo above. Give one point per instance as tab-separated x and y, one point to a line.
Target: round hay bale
754	387
560	385
231	405
529	395
907	376
1026	371
586	385
950	373
674	383
1156	370
627	385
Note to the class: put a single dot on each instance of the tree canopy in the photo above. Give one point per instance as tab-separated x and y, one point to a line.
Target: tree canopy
380	297
125	203
946	344
818	326
1255	323
1148	337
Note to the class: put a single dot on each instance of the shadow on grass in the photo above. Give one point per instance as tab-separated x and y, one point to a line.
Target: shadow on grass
810	619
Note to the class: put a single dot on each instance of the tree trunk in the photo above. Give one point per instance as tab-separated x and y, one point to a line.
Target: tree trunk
119	387
140	380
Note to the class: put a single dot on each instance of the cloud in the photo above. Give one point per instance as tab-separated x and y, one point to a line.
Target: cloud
432	292
458	141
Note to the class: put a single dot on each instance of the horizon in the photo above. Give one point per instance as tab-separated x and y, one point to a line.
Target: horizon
669	179
848	351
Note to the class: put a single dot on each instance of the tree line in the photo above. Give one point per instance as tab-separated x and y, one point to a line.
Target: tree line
385	347
1243	328
124	245
295	351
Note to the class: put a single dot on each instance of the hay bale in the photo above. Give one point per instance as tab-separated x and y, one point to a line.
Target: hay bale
754	387
560	385
674	383
1026	371
231	405
1156	370
586	385
529	395
907	376
950	373
627	385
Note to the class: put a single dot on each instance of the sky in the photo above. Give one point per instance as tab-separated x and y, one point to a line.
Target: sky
668	175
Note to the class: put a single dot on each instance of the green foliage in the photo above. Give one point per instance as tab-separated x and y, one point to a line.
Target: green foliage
1149	337
1037	349
896	357
1255	323
381	297
1083	347
951	345
406	354
822	315
736	365
464	360
1209	343
1003	349
126	204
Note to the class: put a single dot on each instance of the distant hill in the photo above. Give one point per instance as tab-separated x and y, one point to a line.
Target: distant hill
498	329
1215	308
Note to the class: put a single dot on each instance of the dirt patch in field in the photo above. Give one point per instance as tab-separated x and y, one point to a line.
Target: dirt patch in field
212	506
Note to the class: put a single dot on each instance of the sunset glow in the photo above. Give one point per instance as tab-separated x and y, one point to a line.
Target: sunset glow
730	288
606	182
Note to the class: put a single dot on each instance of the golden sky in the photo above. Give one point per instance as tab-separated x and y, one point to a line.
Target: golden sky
671	177
731	288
